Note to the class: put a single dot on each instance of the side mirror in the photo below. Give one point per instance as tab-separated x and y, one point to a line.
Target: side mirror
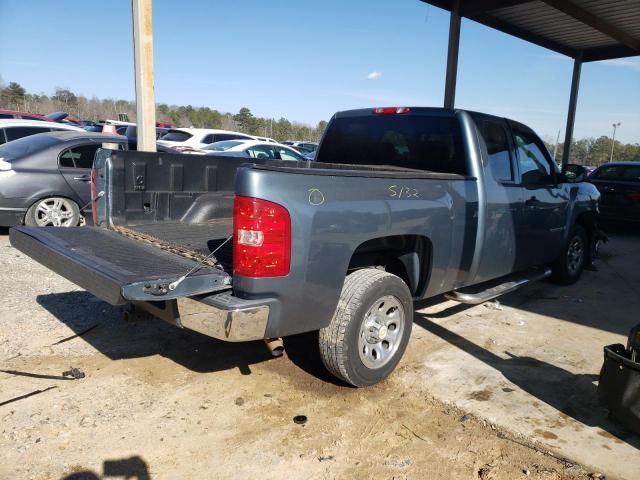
574	173
535	178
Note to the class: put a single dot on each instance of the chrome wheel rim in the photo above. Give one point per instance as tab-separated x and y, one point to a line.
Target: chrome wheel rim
381	332
54	212
575	254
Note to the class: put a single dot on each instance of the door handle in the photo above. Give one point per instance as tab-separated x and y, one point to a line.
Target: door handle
83	178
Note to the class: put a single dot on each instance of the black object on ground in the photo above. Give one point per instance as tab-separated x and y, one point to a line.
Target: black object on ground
27	395
76	335
75	373
300	419
619	387
35	375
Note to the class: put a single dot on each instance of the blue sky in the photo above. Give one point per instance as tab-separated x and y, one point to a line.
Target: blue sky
305	60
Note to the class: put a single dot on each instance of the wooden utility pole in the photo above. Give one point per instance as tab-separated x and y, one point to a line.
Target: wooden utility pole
144	74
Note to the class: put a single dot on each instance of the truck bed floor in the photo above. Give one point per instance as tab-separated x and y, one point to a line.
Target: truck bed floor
202	238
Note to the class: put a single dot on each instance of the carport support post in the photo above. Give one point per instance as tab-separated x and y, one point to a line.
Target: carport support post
571	114
452	56
144	74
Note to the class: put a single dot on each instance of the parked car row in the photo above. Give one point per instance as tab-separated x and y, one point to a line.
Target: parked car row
190	139
250	149
13	129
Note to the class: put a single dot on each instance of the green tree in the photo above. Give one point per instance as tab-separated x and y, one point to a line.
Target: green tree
321	127
65	97
245	120
282	130
13	96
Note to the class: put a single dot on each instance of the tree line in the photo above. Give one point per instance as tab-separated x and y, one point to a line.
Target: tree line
14	97
596	151
585	151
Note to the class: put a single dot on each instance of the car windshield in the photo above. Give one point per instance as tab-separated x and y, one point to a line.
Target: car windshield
224	145
25	146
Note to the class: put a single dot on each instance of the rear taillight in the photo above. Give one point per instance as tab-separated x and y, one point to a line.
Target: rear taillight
391	110
94	197
261	238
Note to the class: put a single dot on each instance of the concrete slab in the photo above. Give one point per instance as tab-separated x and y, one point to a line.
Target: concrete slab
530	363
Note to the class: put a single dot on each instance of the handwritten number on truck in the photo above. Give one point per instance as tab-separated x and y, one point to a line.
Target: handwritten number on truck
399	191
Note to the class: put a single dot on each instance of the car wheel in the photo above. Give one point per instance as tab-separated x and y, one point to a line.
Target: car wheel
370	329
53	212
568	268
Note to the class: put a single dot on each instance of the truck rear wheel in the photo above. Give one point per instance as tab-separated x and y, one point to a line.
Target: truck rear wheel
370	329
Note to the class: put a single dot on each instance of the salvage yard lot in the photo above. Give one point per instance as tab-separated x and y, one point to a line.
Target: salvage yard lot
483	392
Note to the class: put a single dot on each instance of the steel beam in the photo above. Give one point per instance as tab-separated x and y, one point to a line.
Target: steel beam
452	56
144	74
571	114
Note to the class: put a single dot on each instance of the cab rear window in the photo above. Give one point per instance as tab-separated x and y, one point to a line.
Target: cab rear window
432	143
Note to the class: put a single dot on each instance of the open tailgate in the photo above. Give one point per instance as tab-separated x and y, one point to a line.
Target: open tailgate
116	268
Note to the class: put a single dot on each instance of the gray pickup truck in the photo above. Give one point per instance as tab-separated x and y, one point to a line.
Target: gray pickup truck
402	204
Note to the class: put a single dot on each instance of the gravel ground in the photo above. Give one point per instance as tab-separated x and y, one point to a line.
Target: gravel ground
158	402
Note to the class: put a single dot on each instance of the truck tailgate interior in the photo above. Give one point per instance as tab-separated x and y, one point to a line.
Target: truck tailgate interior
117	268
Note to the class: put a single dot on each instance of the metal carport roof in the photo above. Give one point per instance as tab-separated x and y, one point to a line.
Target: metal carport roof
586	30
599	29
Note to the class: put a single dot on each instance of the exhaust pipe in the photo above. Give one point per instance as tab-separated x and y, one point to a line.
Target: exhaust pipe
275	346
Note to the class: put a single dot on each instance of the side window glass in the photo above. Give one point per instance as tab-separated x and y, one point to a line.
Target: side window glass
68	158
85	155
78	157
14	133
227	136
209	139
534	166
288	155
262	152
495	137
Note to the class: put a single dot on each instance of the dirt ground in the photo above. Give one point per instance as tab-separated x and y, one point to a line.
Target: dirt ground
158	402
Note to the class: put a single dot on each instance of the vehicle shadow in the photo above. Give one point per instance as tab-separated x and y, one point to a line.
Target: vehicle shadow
304	352
134	467
103	326
573	395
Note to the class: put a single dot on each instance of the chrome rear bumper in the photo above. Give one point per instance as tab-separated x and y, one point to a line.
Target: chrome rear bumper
220	315
235	322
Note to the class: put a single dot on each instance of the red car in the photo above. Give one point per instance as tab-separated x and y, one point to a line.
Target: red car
24	115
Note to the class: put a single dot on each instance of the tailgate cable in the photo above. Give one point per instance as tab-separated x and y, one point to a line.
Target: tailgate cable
174	285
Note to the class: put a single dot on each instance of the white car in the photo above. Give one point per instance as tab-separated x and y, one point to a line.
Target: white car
12	129
189	139
253	149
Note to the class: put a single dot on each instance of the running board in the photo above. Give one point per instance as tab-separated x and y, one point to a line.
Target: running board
476	294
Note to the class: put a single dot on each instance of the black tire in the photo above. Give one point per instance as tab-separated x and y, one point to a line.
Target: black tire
68	210
341	341
567	269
